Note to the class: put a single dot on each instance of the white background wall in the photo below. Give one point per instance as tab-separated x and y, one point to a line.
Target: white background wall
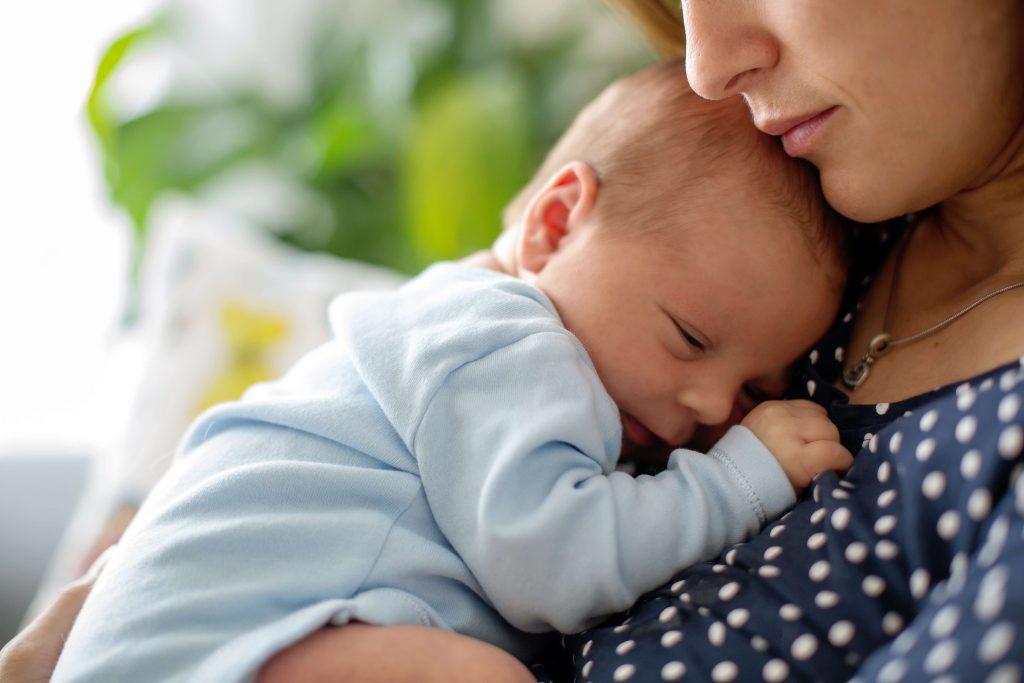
63	251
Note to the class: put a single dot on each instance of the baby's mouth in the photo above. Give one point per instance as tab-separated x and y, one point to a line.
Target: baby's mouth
635	434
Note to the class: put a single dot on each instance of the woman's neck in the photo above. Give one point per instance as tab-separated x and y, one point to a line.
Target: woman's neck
980	230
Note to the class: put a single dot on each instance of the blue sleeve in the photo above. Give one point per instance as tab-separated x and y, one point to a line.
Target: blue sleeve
971	626
520	479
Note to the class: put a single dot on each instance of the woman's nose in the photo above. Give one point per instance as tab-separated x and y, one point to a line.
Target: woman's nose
725	45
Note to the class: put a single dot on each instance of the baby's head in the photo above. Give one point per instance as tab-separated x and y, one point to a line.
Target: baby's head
692	258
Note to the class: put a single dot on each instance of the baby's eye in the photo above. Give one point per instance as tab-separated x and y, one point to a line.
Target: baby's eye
691	340
688	336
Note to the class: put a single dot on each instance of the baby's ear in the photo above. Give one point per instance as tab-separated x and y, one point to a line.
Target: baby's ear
563	206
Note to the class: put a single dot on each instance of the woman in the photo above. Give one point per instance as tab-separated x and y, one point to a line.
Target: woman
907	567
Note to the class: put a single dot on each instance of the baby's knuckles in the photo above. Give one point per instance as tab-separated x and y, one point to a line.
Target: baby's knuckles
787	428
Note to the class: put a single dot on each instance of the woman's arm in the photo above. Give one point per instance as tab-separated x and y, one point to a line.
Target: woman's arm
360	653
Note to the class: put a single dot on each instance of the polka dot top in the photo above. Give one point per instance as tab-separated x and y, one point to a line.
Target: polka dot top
910	567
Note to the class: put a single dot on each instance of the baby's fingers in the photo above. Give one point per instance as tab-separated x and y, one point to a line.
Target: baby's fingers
826	455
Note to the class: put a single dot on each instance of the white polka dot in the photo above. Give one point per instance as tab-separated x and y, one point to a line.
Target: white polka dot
775	671
892	623
772	553
811	386
925	450
904	642
738	618
624	673
1007	673
970	465
625	647
994	542
804	647
768	571
885	524
826	599
928	420
730	556
1009	407
991	595
685	598
966	428
813	356
965	399
840	518
881	408
1010	442
856	552
718	568
839	354
957	572
776	530
873	585
933	485
816	540
622	628
886	497
848	317
944	622
895	441
790	612
1008	380
673	671
886	550
920	581
671	638
979	504
818	515
759	644
587	669
940	657
668	614
820	570
996	642
841	633
986	385
847	484
678	585
893	672
725	672
729	591
716	633
586	648
841	494
948	524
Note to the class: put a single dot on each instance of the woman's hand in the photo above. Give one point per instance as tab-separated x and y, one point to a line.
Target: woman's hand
32	655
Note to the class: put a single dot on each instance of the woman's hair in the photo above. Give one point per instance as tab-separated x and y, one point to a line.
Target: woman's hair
660	21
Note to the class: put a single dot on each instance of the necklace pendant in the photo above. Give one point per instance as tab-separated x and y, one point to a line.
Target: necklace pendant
854	376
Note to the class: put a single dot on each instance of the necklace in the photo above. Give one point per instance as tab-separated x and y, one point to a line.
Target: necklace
883	342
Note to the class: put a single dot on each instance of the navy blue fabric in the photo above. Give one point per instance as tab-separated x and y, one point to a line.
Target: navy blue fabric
910	567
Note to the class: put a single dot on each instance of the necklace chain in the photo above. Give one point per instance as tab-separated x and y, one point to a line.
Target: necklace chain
883	342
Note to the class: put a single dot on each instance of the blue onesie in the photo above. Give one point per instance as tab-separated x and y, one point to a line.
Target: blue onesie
448	460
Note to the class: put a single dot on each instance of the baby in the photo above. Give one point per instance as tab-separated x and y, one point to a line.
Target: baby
450	459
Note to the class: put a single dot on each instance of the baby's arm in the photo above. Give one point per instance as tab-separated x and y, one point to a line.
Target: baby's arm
516	453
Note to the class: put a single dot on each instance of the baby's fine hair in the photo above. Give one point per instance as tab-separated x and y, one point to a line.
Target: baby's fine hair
653	142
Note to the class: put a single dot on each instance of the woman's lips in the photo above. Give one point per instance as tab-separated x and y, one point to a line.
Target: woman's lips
799	134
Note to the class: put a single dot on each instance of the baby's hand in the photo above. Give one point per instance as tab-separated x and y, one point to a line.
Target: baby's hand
801	437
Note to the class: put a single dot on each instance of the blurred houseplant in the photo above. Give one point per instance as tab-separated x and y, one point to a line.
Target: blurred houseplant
389	131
